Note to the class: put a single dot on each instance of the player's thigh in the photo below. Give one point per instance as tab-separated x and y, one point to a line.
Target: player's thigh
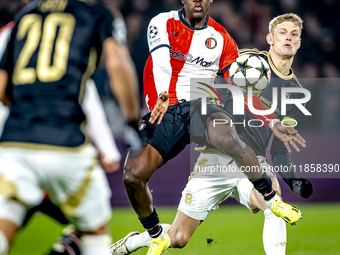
89	206
244	194
95	210
202	195
19	185
171	136
78	186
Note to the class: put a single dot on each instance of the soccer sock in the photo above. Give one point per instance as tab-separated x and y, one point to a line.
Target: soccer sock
3	244
274	234
151	224
264	186
141	240
95	244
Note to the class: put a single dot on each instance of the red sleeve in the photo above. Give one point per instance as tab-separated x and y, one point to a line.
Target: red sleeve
150	91
258	105
229	50
229	54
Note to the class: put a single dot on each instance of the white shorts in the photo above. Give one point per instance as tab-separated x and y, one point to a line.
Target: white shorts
204	193
73	180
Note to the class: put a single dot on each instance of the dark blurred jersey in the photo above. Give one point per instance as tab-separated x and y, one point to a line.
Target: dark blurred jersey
54	48
258	137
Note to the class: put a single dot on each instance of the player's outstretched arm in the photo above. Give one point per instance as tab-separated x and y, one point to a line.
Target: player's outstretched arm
120	79
281	157
160	109
288	135
3	85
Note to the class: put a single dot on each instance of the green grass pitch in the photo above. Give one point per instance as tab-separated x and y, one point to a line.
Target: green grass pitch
234	230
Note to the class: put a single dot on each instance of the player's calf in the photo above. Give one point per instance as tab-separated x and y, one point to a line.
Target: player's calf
178	238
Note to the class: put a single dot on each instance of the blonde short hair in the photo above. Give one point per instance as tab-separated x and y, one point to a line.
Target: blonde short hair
292	17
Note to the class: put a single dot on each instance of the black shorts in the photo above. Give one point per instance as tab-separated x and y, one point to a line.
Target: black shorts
182	124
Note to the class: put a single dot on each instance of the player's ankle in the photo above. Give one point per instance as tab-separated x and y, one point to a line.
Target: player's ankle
271	201
264	186
152	225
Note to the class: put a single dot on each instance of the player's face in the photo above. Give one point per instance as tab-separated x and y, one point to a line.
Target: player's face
196	9
286	39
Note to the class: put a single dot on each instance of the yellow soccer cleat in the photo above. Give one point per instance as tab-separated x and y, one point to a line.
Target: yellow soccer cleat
289	213
158	245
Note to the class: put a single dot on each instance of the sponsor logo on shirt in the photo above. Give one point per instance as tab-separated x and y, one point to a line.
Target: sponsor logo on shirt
189	58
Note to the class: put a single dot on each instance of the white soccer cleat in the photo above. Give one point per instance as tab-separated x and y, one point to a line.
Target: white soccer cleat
119	248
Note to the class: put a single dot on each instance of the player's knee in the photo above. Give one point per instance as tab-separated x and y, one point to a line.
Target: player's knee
134	175
179	240
228	143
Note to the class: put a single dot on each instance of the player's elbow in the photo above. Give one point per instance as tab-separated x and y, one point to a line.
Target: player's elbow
113	58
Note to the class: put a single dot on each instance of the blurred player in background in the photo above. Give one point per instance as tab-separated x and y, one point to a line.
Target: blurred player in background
100	77
205	191
54	48
185	44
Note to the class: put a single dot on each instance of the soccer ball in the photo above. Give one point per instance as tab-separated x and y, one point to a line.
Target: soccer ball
250	71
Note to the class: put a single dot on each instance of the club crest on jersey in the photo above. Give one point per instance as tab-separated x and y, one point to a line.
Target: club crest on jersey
211	43
153	31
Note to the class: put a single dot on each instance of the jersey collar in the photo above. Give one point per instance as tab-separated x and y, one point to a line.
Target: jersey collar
180	14
277	72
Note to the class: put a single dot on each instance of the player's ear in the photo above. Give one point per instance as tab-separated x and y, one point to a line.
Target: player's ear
182	1
299	43
211	1
269	39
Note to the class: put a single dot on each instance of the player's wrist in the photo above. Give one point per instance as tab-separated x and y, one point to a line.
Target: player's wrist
290	175
161	94
272	123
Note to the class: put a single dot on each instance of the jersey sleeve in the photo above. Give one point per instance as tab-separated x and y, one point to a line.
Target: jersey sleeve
104	24
229	54
157	34
3	61
119	30
293	112
281	157
5	38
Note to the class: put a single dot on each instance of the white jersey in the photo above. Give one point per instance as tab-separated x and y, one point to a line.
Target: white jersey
194	53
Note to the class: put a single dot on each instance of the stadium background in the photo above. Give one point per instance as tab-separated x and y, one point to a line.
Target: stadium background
317	67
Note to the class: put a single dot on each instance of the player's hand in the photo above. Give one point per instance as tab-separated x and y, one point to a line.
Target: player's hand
301	186
160	109
288	135
109	167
